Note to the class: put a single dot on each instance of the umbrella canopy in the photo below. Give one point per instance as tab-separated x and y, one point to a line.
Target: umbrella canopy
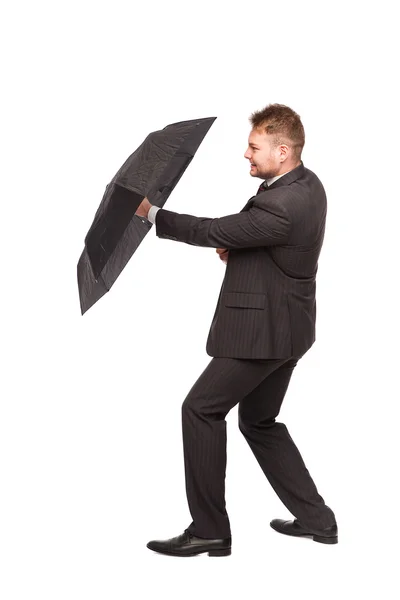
153	170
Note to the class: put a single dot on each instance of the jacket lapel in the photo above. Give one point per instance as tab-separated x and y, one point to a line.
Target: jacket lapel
294	174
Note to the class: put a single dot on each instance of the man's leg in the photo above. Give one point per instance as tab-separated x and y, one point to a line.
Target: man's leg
276	452
223	383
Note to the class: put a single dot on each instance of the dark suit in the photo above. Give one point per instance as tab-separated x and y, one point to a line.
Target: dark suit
263	323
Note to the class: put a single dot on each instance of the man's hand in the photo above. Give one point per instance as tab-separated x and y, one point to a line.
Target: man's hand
223	254
143	208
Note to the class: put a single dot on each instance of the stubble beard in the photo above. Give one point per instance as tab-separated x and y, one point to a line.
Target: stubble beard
265	174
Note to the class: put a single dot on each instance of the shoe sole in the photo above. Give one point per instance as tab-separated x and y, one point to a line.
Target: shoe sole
316	538
222	552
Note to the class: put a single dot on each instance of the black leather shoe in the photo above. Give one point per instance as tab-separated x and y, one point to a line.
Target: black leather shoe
188	544
329	535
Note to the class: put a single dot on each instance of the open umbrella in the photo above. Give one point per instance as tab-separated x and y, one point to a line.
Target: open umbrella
153	170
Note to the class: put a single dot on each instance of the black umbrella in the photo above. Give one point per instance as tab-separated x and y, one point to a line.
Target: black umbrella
153	170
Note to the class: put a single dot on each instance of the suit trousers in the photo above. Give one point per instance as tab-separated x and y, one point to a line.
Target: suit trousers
259	386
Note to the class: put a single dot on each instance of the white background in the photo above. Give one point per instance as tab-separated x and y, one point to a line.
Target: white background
90	430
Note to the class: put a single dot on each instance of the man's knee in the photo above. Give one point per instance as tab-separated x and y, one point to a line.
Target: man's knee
245	422
194	405
188	405
242	425
203	408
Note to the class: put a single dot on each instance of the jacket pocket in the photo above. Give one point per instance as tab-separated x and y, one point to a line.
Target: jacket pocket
244	300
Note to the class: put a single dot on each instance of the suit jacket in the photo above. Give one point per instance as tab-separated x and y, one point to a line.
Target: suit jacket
267	302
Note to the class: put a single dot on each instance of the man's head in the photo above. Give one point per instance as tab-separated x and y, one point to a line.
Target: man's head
275	141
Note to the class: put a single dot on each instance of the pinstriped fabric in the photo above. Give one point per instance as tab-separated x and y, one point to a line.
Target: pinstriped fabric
263	323
259	387
267	303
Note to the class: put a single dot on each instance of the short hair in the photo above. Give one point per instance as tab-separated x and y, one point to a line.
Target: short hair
283	123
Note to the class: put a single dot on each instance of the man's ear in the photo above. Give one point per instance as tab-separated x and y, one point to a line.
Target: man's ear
284	151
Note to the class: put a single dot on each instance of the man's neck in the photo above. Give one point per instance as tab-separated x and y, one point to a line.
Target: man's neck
272	179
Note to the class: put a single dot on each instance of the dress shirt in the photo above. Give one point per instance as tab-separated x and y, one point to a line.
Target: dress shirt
153	210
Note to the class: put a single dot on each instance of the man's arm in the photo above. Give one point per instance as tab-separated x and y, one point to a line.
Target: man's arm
266	223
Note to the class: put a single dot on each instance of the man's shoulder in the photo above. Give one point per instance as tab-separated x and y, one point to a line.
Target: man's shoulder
308	183
312	176
295	197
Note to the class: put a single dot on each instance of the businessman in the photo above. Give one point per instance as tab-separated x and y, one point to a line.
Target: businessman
264	322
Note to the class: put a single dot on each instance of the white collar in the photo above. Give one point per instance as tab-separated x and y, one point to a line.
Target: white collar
270	181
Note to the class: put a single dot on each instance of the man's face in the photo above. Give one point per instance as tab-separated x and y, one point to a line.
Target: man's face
267	160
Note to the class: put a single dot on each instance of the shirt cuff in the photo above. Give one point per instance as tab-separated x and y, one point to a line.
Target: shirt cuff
152	214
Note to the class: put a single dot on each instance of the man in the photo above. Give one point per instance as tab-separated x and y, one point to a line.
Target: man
263	324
